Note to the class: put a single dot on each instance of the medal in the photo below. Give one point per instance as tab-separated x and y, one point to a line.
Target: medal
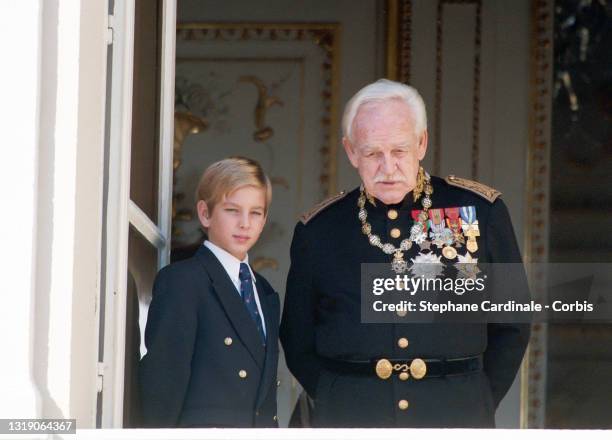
436	217
470	226
427	265
399	265
449	252
471	245
467	266
454	224
418	232
420	221
447	237
418	237
436	223
425	245
436	239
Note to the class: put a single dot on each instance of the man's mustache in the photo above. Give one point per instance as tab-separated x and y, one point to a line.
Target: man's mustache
394	179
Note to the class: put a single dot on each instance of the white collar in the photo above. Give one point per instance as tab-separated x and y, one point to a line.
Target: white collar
230	263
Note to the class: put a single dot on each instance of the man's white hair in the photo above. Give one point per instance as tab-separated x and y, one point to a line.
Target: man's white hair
383	90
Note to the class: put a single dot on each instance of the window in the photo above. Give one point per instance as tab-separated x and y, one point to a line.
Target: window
138	200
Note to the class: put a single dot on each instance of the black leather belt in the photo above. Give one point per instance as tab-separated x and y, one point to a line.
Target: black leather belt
416	368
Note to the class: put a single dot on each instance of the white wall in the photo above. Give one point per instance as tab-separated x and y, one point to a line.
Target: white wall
19	89
51	87
67	251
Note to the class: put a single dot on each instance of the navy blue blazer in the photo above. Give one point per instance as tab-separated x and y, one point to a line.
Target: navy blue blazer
206	364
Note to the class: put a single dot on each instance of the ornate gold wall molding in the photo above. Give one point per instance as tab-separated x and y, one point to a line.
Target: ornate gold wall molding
533	373
326	36
399	53
475	154
399	40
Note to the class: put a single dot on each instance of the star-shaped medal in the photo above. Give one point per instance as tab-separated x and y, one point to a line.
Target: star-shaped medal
425	245
467	266
427	265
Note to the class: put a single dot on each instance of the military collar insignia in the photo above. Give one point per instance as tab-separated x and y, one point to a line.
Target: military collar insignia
307	216
484	191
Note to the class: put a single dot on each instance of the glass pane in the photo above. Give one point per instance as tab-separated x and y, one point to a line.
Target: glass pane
145	112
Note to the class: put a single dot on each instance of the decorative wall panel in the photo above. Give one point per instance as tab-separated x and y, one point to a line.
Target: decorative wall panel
264	91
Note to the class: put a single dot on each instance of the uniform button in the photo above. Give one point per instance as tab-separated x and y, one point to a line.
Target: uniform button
404	376
392	214
228	341
402	343
242	374
275	418
395	233
278	383
403	404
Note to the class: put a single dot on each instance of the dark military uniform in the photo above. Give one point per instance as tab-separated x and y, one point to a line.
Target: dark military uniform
206	365
322	330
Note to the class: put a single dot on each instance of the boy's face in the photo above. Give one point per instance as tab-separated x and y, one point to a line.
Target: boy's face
236	221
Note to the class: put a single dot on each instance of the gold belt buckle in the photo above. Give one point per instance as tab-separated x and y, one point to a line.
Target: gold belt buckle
417	368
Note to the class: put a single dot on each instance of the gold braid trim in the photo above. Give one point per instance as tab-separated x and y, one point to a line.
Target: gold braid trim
484	191
307	216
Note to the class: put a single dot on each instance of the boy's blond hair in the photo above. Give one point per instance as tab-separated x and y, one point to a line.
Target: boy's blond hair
227	175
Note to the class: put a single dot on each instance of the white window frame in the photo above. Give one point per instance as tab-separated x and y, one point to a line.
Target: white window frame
123	212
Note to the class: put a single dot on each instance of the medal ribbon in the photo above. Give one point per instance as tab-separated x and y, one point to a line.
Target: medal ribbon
468	214
453	221
436	221
415	216
470	224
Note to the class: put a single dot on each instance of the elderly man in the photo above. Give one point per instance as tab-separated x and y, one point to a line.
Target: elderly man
464	370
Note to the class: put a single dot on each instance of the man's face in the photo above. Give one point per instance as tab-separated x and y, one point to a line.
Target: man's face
236	221
386	149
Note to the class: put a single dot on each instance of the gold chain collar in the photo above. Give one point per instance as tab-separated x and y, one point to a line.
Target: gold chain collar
417	232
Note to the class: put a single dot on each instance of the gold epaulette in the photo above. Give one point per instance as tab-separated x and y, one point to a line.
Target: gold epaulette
307	216
484	191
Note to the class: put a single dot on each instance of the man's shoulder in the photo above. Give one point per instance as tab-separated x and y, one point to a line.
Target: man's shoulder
327	208
471	187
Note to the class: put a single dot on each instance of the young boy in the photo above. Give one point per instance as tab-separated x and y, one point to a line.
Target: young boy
212	328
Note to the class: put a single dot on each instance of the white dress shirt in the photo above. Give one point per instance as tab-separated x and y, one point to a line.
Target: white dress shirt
231	265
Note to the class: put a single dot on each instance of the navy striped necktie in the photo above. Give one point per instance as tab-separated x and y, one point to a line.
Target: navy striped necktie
248	296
